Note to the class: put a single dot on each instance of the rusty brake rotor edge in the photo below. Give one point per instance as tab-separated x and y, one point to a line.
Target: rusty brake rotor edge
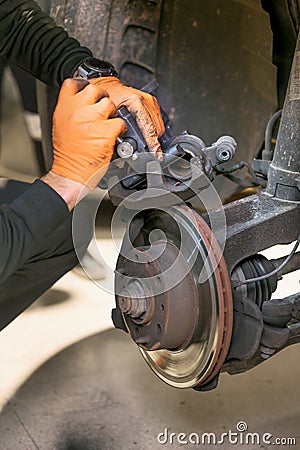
183	327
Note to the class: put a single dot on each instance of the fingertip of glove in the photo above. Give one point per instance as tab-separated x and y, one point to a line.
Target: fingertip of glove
121	124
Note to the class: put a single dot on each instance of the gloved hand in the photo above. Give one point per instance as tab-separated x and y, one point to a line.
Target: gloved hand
144	108
84	132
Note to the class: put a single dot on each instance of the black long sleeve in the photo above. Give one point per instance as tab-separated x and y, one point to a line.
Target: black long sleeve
26	223
31	40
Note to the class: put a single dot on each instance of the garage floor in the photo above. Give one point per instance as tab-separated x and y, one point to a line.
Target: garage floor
70	382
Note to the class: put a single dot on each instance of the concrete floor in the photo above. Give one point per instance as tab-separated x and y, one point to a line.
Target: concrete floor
70	382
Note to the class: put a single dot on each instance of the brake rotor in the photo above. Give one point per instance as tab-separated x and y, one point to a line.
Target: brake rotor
174	293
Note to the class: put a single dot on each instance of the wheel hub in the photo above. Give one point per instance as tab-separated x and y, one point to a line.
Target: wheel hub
153	299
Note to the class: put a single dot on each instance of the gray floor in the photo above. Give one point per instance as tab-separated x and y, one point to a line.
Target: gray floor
99	395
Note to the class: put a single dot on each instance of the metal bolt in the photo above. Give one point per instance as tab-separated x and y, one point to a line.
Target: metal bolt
266	352
224	155
132	300
124	149
226	148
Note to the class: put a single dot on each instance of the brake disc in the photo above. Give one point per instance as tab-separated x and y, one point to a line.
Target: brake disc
174	293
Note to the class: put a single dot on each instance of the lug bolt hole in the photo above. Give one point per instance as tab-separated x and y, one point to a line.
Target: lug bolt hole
158	328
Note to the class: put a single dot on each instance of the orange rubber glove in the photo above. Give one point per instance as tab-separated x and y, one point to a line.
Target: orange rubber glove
144	108
84	132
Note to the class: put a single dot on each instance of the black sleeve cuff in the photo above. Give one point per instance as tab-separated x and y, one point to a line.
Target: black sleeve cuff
41	208
71	63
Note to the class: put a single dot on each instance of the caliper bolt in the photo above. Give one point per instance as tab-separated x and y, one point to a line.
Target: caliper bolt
226	148
125	149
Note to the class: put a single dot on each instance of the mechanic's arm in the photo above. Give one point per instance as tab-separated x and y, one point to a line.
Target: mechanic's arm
31	40
84	134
